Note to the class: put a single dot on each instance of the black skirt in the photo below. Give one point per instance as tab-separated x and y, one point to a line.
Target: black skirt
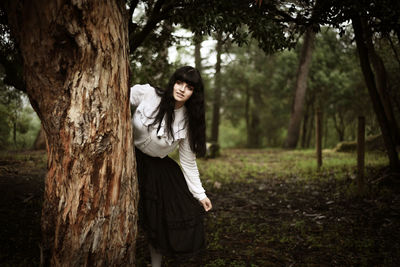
171	217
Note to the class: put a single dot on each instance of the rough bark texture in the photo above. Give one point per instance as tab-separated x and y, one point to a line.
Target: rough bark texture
75	56
360	36
300	90
217	93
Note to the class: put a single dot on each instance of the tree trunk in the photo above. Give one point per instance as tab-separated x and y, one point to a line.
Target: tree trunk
339	125
300	90
360	36
40	141
254	132
198	39
318	137
381	82
15	133
247	115
76	69
217	93
311	126
308	121
360	152
304	131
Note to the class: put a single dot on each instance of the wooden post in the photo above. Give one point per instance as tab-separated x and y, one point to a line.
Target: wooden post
360	152
318	136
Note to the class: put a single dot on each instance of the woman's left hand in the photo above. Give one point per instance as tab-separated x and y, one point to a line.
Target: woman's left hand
206	203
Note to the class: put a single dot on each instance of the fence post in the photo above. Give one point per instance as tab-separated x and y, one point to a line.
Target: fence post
360	152
318	137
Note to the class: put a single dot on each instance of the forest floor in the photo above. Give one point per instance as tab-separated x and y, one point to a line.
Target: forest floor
271	208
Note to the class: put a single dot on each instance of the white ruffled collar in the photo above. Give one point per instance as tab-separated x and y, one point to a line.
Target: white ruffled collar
146	110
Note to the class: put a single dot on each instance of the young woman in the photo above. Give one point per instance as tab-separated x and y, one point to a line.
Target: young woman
172	200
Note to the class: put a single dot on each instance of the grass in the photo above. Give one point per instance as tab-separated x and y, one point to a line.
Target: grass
272	207
243	165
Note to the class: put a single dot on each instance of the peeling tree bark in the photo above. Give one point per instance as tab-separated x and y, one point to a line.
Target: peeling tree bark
75	56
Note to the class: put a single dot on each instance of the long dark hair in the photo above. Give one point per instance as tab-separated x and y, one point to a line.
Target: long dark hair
195	111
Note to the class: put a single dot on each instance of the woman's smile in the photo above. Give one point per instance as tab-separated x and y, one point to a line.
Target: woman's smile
182	92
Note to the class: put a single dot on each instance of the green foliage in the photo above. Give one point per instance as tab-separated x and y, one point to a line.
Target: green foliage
257	94
19	124
273	25
4	127
338	86
258	88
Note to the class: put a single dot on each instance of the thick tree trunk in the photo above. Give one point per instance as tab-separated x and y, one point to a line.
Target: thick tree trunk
76	69
217	93
360	36
300	90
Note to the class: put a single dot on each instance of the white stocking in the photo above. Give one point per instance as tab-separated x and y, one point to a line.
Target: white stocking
155	257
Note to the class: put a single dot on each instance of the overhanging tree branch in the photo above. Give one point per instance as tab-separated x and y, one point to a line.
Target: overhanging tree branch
159	13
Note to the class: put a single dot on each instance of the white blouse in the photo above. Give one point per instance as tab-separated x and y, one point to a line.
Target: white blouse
146	101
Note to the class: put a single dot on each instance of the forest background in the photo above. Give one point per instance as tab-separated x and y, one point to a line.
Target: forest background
269	68
256	88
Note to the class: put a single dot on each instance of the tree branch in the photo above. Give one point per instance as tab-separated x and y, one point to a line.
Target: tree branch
158	14
13	73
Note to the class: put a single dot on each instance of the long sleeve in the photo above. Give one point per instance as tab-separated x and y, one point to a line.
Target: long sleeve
138	93
189	168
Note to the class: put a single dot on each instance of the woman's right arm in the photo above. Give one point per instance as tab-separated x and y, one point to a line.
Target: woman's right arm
138	93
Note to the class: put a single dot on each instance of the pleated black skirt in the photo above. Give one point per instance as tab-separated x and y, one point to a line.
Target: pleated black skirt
171	217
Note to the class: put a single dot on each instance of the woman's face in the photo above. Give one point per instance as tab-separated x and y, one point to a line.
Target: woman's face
182	92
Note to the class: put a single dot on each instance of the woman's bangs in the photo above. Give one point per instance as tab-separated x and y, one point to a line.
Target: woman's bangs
191	77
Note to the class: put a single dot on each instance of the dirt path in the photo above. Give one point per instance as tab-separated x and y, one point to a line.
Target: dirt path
259	221
21	192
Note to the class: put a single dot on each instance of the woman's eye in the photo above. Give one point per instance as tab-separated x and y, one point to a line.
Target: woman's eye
179	82
191	88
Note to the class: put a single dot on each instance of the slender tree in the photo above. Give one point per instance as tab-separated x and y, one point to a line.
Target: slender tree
360	35
300	89
381	82
217	92
198	39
